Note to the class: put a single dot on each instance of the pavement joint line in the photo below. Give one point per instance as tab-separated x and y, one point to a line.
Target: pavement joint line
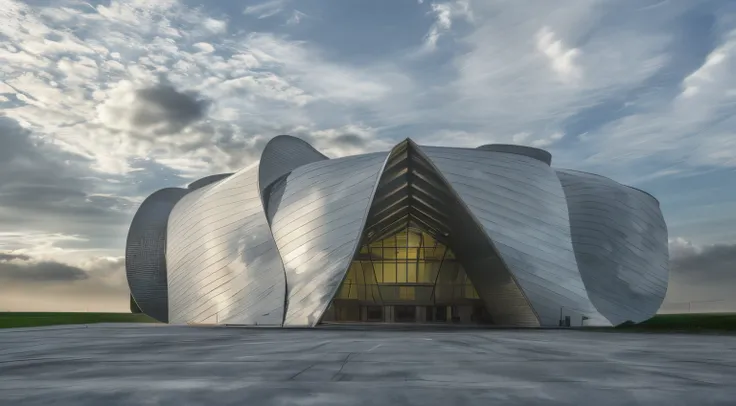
300	372
43	328
339	372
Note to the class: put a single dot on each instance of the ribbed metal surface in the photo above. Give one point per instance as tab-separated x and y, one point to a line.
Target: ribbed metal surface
317	215
411	192
520	203
620	241
145	253
281	155
531	152
223	264
200	183
272	243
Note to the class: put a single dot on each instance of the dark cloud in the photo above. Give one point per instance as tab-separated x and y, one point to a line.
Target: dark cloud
149	176
45	188
33	284
352	140
240	147
167	110
25	268
10	257
712	264
32	172
348	141
702	279
22	269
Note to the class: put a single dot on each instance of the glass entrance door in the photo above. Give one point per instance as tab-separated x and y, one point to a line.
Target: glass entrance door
405	314
407	277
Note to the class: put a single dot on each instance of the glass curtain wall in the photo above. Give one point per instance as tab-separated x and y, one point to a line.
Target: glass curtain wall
408	273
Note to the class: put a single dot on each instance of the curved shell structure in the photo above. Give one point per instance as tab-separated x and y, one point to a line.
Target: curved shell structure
272	244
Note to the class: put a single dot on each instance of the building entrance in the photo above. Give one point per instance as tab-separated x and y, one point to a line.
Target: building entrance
409	277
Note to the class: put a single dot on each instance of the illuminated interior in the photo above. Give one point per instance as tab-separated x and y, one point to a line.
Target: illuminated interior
407	277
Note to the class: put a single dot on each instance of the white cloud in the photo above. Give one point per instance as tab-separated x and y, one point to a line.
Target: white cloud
519	138
296	17
681	247
508	84
444	14
458	138
204	47
267	82
215	26
37	243
562	59
695	127
710	72
265	9
321	78
548	141
262	82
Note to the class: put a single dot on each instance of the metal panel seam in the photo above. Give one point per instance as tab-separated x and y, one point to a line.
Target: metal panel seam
479	225
362	229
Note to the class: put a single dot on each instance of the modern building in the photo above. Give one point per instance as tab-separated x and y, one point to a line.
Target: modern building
415	234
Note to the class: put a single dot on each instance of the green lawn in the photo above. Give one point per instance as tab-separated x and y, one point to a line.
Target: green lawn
689	322
8	320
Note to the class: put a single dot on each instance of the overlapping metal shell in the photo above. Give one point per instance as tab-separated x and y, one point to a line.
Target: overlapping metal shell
271	244
145	253
620	241
317	214
223	265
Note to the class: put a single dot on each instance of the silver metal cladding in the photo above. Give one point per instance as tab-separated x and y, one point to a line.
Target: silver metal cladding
145	253
520	203
272	243
317	216
620	241
531	152
281	155
223	265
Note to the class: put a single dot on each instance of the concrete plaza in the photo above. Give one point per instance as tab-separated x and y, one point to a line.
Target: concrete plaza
110	364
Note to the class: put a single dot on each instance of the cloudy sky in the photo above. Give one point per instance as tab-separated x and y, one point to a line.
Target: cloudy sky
104	102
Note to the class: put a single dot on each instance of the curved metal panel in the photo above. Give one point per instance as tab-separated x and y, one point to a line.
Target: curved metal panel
145	252
531	152
282	155
521	205
620	241
317	215
224	267
134	308
271	244
413	190
207	180
637	189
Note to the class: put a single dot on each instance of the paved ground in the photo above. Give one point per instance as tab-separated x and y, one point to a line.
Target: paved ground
170	365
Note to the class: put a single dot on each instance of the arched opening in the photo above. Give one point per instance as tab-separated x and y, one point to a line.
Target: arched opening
407	277
424	258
